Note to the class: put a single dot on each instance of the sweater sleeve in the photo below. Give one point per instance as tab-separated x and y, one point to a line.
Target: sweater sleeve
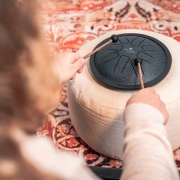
147	151
42	154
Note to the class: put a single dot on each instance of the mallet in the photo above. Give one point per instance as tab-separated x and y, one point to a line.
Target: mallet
138	62
114	39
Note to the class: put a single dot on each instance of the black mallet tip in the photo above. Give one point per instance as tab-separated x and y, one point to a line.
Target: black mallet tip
114	38
137	60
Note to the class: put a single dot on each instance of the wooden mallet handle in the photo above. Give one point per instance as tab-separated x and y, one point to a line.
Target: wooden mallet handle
114	38
138	62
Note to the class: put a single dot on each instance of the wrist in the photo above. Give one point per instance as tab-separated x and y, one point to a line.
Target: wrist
144	112
57	71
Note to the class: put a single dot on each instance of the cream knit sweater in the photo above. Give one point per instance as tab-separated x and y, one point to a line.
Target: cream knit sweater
147	151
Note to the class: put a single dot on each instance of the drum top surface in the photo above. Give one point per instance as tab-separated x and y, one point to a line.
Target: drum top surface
114	64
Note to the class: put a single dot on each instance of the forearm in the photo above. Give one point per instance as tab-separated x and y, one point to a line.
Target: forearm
147	151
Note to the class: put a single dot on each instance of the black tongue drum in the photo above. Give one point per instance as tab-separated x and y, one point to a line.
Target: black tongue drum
132	61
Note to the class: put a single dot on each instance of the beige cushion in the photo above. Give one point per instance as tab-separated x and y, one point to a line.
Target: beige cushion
96	111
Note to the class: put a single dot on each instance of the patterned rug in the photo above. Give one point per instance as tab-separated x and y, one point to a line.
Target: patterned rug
68	24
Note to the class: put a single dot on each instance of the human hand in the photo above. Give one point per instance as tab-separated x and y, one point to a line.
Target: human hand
66	65
149	96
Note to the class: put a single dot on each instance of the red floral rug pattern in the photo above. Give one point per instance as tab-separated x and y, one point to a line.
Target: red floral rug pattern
68	24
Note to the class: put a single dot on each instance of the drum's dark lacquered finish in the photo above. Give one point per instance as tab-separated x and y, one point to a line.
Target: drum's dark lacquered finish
114	64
